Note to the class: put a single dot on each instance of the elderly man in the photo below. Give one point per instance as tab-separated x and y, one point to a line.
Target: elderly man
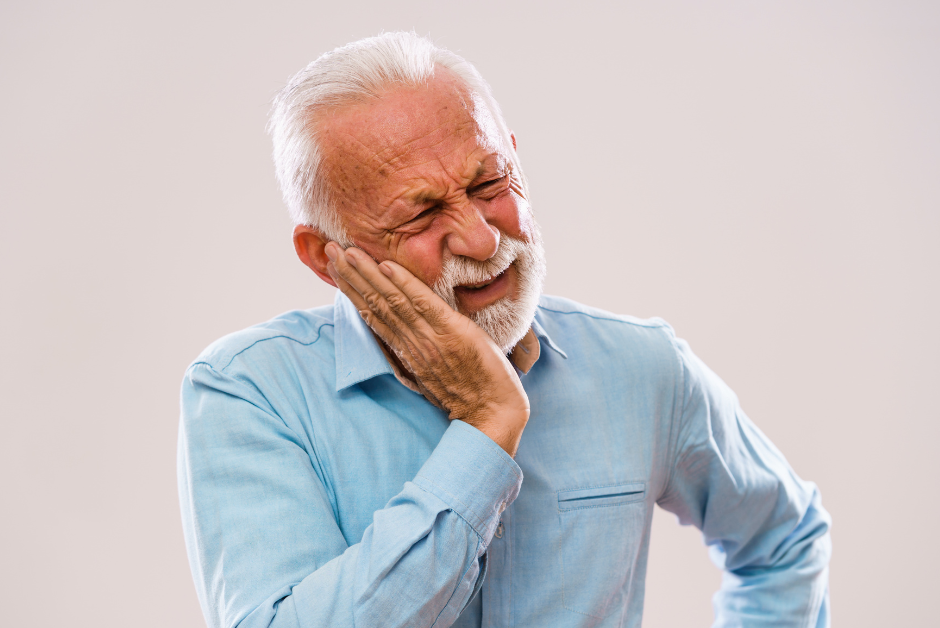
444	446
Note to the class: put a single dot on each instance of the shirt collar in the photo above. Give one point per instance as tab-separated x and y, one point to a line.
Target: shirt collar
358	354
360	357
541	334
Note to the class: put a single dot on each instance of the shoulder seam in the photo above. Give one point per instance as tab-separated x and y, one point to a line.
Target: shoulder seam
658	325
260	340
268	411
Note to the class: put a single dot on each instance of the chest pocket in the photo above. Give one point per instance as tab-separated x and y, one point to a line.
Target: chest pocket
602	528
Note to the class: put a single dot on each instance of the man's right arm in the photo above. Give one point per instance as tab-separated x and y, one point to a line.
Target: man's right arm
261	529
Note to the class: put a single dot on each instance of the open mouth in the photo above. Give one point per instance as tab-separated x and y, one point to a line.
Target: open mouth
482	284
474	296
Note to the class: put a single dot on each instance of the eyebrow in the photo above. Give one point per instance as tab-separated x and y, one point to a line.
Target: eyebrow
424	195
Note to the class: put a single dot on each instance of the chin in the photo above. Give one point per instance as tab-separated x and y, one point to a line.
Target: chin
509	318
506	321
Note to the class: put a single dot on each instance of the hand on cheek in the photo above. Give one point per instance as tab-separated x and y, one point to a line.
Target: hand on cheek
453	361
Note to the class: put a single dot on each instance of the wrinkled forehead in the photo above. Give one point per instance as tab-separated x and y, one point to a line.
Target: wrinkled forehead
442	121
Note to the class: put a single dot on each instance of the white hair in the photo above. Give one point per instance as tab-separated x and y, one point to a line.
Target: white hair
361	71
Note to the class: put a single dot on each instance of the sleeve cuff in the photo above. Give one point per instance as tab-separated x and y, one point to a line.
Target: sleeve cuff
473	475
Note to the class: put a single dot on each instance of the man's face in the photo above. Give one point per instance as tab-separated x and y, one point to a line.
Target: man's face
422	178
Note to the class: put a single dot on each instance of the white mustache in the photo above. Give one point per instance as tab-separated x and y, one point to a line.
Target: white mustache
508	319
461	271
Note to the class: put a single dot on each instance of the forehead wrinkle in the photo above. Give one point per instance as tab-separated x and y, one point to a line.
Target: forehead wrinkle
348	172
366	141
403	131
365	161
408	154
433	190
420	158
402	149
409	147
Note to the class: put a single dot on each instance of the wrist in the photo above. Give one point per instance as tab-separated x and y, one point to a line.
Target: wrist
504	428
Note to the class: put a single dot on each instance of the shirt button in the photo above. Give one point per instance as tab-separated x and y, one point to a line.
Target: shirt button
499	531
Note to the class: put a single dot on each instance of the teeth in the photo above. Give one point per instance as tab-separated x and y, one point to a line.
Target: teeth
477	286
481	285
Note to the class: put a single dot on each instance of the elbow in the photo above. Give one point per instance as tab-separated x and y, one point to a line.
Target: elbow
809	544
805	550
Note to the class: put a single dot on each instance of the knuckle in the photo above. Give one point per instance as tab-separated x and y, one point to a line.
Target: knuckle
397	301
379	307
372	300
428	309
422	304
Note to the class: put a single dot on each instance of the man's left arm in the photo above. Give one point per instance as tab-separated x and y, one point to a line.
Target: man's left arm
765	526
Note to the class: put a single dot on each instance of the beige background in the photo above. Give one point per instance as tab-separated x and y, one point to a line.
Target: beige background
765	176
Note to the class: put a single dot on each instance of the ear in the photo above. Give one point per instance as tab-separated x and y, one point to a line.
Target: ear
311	249
512	136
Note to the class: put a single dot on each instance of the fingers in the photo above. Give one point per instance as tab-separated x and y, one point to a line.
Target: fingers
380	296
383	306
391	292
380	328
415	323
421	298
366	282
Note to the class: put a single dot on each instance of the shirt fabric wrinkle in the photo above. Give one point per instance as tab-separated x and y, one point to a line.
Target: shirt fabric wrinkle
393	499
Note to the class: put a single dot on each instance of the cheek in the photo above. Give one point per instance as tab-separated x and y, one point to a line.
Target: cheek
422	256
510	214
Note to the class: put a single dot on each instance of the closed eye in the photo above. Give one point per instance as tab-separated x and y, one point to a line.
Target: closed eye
427	213
488	186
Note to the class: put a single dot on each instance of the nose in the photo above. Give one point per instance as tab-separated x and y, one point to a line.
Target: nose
472	236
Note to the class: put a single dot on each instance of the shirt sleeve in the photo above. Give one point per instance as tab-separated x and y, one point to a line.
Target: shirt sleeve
765	527
263	542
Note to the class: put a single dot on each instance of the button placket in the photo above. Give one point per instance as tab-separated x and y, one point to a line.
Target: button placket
497	588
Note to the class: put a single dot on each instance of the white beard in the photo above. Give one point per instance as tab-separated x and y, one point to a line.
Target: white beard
507	320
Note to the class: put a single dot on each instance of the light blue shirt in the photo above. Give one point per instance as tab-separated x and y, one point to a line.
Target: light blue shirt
317	490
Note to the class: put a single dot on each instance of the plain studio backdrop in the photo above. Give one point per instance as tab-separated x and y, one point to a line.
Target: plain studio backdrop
764	176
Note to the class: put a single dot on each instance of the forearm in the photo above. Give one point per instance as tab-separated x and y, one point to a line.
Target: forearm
790	592
266	551
766	527
417	565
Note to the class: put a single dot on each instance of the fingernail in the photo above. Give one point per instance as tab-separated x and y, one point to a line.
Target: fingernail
386	269
351	260
330	251
332	271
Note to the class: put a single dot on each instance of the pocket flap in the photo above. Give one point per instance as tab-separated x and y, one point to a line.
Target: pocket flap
597	496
